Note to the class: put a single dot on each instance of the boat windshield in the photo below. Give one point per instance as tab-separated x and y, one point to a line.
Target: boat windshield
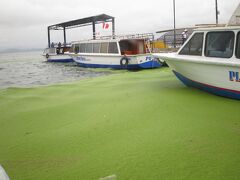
193	46
219	44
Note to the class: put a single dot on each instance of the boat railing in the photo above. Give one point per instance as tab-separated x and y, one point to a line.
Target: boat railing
56	45
145	36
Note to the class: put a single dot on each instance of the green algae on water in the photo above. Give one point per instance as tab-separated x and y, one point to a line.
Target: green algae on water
135	125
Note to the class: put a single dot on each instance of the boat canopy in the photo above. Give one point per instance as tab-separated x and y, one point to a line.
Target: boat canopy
92	20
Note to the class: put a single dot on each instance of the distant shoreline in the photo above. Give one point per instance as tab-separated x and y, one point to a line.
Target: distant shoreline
20	50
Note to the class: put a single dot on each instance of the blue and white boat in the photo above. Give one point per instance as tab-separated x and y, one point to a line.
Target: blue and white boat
116	53
57	54
209	60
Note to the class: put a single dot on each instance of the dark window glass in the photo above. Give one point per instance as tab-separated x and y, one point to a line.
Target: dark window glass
112	48
76	48
104	47
125	45
219	44
194	45
89	48
96	47
238	46
83	48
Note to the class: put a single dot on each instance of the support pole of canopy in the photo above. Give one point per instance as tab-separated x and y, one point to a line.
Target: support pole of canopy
94	29
174	25
113	28
64	36
216	4
49	41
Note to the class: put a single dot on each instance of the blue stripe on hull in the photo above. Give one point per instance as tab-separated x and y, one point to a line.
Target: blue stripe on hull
150	64
211	89
61	60
146	65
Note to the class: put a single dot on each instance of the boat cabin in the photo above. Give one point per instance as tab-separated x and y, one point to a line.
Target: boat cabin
123	47
56	50
215	42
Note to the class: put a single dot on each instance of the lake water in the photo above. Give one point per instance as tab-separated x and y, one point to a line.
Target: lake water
27	69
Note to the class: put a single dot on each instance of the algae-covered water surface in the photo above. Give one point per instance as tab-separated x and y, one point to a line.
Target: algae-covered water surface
133	125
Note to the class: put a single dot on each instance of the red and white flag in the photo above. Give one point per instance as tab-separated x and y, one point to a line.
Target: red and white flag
105	25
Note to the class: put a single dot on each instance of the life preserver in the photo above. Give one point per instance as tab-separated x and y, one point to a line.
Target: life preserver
124	61
47	55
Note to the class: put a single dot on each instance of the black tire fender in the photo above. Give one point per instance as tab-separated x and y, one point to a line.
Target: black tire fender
47	55
124	61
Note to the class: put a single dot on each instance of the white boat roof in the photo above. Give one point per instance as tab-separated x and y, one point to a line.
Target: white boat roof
117	38
222	28
101	40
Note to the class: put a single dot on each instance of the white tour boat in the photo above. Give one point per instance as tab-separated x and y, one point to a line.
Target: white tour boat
209	60
117	53
57	54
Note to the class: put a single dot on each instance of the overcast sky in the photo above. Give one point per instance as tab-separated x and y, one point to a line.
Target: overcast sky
23	23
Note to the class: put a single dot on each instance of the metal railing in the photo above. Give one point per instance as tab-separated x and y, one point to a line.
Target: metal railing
54	45
169	40
145	36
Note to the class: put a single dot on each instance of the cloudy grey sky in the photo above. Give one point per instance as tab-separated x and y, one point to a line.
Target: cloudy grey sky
23	23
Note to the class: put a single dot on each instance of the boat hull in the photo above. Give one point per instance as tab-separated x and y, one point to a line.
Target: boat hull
206	87
113	61
61	58
217	78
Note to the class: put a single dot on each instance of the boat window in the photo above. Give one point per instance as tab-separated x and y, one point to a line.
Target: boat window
104	47
89	48
112	48
129	47
193	46
219	44
83	48
96	47
76	48
238	46
125	46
